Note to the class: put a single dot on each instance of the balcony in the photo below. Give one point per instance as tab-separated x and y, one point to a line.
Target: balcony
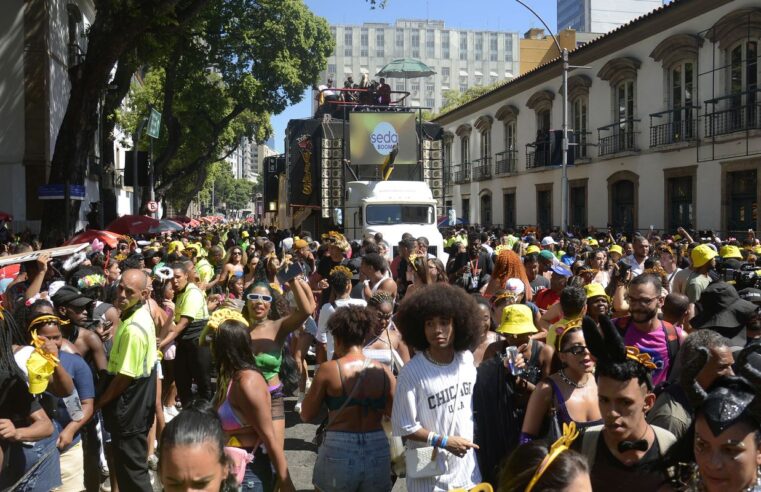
507	162
580	150
673	126
741	113
462	173
538	154
482	169
618	137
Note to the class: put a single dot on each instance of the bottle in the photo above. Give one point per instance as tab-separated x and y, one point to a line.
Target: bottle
74	406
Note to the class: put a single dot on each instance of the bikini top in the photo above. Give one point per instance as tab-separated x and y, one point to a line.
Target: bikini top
269	363
562	412
336	402
230	420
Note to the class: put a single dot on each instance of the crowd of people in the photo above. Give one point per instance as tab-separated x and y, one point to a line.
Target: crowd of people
524	362
366	93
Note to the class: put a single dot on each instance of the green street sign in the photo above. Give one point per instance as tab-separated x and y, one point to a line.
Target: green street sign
154	124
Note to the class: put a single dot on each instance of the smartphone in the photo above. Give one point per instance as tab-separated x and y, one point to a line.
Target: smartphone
293	271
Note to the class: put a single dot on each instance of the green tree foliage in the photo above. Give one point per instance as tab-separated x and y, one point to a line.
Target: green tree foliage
454	98
241	61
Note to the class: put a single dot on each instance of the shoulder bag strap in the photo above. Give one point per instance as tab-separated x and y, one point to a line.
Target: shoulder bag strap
353	390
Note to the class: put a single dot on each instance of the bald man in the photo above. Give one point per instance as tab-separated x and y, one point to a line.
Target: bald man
129	399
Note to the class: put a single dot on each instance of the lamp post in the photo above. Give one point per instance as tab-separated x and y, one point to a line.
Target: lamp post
564	179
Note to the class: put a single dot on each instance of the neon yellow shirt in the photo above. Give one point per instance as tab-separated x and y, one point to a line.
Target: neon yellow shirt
205	270
134	350
191	303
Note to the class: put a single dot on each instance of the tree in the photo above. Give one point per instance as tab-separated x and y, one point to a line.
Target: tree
260	54
454	98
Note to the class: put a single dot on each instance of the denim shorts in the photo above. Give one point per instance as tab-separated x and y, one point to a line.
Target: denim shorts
259	476
353	461
23	456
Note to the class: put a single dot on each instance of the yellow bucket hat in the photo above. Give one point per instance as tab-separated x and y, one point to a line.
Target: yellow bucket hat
701	255
616	249
517	319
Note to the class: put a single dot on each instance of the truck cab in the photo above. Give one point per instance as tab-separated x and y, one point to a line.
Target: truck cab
393	208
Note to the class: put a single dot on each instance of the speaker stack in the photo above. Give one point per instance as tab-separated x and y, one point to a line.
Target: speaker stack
331	178
433	169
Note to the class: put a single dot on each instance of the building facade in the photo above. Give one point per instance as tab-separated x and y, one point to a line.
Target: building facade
666	122
461	58
246	160
601	16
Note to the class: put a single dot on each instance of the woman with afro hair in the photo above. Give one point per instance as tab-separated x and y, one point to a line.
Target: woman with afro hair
432	402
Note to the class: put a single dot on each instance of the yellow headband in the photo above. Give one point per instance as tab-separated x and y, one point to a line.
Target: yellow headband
562	444
411	259
504	296
562	330
634	354
45	319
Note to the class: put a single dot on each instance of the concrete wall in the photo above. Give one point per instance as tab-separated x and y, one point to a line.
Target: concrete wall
647	166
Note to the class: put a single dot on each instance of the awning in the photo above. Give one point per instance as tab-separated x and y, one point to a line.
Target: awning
509	75
493	74
463	73
479	74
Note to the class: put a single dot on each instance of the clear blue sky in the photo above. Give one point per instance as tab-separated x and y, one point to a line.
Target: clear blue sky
502	15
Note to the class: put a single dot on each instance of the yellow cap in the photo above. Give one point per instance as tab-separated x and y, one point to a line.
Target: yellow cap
616	249
730	251
244	234
175	246
532	249
701	255
517	319
592	241
757	250
595	290
40	369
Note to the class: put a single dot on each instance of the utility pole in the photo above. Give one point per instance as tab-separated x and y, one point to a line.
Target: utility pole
135	188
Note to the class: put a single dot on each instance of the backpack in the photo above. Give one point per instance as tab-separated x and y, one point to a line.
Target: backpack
591	437
672	341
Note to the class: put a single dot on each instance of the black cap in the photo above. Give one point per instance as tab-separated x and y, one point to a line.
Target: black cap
69	296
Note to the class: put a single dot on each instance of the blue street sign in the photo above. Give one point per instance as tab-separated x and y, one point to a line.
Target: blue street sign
56	192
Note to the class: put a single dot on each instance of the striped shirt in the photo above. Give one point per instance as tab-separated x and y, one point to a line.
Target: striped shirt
425	398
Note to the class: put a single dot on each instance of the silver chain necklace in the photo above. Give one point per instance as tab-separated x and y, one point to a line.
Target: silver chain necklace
567	381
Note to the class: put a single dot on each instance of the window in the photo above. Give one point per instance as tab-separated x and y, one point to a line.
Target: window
463	45
544	207
399	86
399	214
331	70
429	88
364	42
510	135
445	74
543	121
508	48
479	38
744	85
680	205
681	84
463	86
486	143
624	109
577	202
415	42
348	51
445	44
580	126
623	205
430	43
430	102
414	86
464	149
486	209
399	42
466	210
380	43
743	200
508	204
493	47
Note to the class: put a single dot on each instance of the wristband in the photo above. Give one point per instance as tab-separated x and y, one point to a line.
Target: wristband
429	441
444	441
437	441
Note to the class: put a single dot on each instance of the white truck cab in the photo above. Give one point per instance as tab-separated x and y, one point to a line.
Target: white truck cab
393	208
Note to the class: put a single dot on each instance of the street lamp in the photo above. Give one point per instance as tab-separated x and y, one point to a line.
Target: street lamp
564	178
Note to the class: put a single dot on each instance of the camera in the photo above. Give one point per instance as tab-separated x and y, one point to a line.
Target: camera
746	276
623	270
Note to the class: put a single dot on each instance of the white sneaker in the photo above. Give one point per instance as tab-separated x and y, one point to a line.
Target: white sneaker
299	399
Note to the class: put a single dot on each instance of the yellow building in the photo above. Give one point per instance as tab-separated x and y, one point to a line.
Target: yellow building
537	48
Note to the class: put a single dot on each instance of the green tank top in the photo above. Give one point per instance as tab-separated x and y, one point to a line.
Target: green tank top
269	363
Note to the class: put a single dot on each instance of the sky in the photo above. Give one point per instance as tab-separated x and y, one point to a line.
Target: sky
500	15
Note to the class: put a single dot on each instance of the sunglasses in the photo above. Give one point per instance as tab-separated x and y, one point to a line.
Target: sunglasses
237	253
258	297
576	350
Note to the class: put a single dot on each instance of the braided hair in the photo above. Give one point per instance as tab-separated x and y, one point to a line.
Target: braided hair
379	298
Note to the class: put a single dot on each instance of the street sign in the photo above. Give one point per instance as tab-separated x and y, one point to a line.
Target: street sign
152	206
154	124
56	192
53	252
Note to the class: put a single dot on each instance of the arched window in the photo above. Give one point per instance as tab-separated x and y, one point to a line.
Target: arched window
578	95
465	149
482	167
619	136
486	213
538	151
507	158
623	188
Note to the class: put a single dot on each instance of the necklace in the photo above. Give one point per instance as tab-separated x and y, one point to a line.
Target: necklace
435	362
567	381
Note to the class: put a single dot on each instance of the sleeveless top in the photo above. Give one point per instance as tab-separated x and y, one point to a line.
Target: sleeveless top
562	412
336	402
269	363
230	420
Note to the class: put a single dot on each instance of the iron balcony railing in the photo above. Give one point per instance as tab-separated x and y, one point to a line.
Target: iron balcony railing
733	113
482	169
538	154
462	173
507	162
617	137
674	126
580	147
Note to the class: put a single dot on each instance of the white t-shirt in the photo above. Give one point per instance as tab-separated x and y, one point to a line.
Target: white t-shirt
327	310
424	398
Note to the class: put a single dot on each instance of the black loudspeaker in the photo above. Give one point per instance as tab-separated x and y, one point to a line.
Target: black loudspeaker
273	166
142	168
556	148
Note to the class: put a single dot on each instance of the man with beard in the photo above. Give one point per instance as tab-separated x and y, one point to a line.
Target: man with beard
625	453
71	307
472	270
640	253
643	329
